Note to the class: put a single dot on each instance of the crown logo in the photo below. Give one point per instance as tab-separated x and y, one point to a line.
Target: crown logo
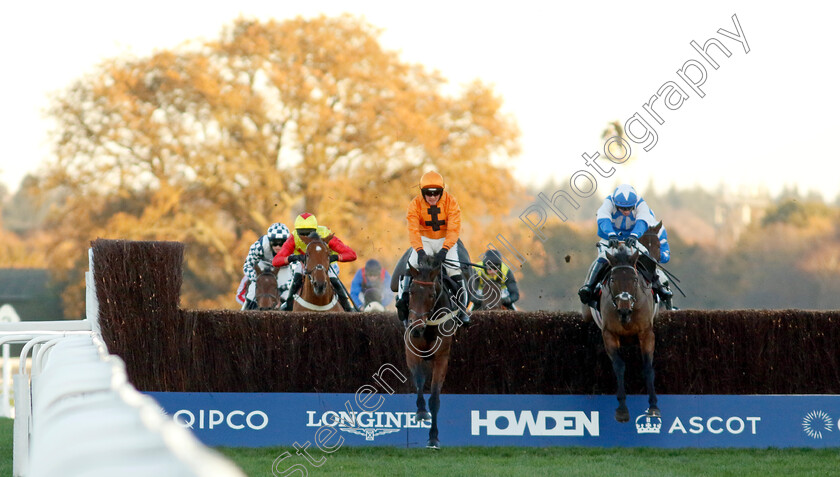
648	424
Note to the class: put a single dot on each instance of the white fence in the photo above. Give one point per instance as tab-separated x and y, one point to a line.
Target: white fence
77	414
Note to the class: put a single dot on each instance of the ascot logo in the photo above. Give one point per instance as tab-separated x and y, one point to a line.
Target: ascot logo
648	424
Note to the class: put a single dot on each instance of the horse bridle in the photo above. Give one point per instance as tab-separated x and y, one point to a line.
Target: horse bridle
318	268
625	296
275	297
434	304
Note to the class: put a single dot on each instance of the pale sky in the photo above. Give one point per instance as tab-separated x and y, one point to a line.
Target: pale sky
767	118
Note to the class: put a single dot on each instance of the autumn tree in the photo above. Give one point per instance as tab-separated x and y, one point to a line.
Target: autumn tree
210	143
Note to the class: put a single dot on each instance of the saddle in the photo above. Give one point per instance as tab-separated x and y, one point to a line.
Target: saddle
402	266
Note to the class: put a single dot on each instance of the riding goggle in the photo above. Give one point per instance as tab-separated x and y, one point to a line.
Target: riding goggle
276	243
304	232
432	192
625	209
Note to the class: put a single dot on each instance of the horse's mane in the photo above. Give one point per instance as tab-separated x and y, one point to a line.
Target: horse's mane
426	264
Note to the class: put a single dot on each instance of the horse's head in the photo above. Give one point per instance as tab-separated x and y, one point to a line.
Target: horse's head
623	284
373	295
317	263
266	294
424	290
650	239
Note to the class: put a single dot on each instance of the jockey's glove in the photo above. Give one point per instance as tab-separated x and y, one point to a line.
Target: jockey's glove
420	254
333	258
295	258
630	241
441	255
613	241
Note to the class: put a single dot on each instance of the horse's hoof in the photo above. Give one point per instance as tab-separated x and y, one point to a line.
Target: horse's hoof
433	444
422	416
622	414
653	411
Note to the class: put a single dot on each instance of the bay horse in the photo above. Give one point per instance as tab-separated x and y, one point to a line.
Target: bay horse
266	289
428	338
317	293
627	308
650	239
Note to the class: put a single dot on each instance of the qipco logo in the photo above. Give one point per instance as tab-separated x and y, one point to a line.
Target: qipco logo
213	418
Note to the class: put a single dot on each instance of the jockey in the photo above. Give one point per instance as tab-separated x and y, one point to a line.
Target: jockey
294	250
372	275
624	216
263	250
495	269
434	223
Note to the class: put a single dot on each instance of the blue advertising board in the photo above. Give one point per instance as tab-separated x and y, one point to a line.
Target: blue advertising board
332	420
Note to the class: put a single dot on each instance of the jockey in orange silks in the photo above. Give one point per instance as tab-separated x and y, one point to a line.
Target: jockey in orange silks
434	224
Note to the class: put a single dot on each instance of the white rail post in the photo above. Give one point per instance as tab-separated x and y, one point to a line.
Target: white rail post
5	407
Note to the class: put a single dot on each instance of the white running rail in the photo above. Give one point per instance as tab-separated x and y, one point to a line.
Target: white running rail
76	413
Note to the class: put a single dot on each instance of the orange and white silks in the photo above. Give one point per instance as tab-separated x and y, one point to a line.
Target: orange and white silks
443	220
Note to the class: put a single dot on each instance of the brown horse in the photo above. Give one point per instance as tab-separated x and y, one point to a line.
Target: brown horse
428	339
317	293
650	239
266	291
491	293
627	308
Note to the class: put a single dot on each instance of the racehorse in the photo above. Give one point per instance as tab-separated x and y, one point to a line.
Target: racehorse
650	239
317	293
428	339
627	308
266	291
373	299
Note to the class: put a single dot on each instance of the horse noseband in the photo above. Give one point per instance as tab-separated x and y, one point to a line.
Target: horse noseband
624	296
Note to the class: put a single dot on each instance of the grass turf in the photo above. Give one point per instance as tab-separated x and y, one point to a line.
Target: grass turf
526	461
567	461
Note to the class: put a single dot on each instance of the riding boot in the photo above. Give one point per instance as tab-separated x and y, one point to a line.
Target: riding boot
595	275
463	315
343	299
297	282
662	291
249	305
402	302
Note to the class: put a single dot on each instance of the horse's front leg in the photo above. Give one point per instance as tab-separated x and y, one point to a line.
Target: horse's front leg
647	341
419	375
438	375
612	344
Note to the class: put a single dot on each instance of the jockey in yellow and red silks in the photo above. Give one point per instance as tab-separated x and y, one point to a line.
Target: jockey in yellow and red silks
294	250
434	224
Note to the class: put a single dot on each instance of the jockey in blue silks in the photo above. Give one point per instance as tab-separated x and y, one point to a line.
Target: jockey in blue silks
624	216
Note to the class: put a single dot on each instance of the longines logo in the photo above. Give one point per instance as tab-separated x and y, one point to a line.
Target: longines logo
368	424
